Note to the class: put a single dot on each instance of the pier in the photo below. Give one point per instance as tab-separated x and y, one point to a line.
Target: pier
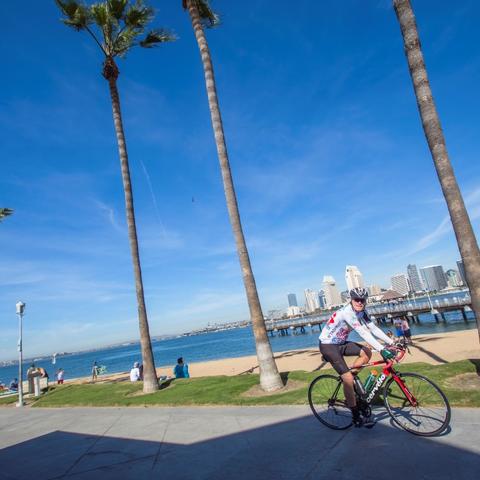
381	312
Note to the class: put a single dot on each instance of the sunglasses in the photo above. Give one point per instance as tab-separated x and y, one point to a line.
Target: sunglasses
359	300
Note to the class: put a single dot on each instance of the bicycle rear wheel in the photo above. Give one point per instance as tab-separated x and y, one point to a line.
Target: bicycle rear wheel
426	414
327	401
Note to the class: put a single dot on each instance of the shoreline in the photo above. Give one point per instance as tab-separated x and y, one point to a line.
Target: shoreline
435	348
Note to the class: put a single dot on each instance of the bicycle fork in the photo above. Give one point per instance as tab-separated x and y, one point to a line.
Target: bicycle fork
410	397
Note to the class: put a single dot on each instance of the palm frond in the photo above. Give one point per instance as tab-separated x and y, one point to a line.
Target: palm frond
138	16
76	14
120	22
124	41
208	17
5	212
100	14
117	8
155	37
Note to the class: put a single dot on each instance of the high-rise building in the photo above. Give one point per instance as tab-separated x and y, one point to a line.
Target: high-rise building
414	278
312	302
332	295
453	278
321	298
400	284
353	277
292	300
461	270
433	277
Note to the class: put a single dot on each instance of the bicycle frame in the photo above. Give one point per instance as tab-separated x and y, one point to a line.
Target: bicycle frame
387	371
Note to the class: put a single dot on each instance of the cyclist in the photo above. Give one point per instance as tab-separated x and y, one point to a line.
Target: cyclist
334	345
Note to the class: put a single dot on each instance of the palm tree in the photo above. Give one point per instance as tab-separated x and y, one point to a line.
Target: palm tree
119	24
5	212
467	243
203	16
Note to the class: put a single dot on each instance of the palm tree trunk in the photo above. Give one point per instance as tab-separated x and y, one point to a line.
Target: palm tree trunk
462	226
270	379
150	382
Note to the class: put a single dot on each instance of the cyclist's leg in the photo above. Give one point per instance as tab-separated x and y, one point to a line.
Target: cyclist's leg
363	354
334	354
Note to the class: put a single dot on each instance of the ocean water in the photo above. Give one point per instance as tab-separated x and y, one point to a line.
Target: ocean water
209	346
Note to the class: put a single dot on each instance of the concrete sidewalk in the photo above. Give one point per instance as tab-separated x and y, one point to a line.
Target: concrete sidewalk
225	443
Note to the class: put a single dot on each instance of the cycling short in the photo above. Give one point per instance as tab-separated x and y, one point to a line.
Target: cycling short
334	354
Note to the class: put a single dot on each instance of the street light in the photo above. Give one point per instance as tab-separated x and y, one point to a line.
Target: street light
432	310
20	310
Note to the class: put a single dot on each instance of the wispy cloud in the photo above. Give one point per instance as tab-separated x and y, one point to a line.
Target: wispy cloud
472	201
109	212
154	199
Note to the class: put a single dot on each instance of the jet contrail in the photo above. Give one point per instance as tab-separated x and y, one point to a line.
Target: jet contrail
154	200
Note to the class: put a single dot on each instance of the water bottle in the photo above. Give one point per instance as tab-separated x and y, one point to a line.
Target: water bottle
358	385
370	381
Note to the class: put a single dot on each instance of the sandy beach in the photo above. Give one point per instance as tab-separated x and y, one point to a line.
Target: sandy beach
435	349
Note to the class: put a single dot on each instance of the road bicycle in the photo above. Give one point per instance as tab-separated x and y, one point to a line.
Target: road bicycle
413	401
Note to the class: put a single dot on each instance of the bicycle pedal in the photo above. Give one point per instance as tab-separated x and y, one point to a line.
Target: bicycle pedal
368	423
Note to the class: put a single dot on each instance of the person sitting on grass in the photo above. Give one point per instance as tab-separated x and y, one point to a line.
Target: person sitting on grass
181	369
135	373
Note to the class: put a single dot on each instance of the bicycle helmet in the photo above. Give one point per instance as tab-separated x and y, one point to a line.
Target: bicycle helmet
358	293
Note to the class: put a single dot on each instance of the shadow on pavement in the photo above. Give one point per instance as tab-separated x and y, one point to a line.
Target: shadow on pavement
298	448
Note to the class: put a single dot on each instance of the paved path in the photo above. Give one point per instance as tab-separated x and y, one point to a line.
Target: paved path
226	444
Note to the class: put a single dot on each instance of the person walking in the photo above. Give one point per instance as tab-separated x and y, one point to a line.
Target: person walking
95	369
60	376
406	331
397	323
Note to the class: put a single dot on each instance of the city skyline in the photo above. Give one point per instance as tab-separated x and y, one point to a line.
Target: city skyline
326	148
403	280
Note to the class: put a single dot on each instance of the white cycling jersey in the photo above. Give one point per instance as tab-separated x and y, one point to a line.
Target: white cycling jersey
343	321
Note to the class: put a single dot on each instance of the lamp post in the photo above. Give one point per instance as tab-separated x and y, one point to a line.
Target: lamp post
20	310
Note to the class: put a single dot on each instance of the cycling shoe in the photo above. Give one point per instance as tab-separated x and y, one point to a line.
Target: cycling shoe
364	422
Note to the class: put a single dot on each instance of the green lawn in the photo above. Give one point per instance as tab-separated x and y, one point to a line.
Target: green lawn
8	400
222	390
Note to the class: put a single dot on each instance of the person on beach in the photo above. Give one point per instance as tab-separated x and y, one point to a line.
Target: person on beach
13	385
334	346
135	373
94	371
406	331
43	373
397	323
60	376
32	372
181	369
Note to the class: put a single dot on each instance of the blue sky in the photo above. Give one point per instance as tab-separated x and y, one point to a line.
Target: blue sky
329	160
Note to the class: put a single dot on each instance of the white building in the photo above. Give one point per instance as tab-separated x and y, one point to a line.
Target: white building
293	311
374	290
332	294
353	277
312	302
453	278
400	284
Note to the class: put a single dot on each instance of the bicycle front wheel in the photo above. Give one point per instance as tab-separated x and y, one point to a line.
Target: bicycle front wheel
327	402
417	405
